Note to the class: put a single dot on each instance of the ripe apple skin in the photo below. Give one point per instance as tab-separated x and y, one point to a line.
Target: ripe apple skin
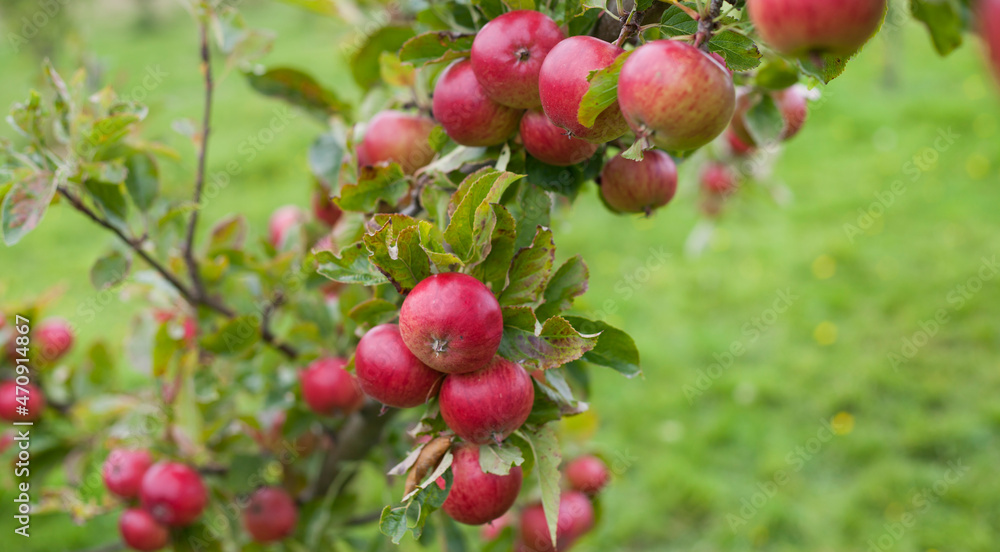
806	27
507	55
173	493
325	210
791	103
639	186
737	146
53	338
328	389
467	114
562	82
389	373
475	497
141	531
587	474
123	470
989	18
677	95
452	322
576	517
487	405
397	136
718	179
550	144
270	514
9	402
283	222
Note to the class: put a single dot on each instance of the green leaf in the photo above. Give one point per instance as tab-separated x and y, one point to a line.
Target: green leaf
826	68
529	271
615	349
493	270
228	233
235	336
764	121
473	219
395	249
945	21
322	7
109	270
373	312
375	183
565	181
520	4
351	267
531	207
110	198
435	47
411	514
25	204
522	318
143	180
568	282
110	172
365	62
101	369
326	154
740	53
603	91
555	344
547	457
297	88
454	538
491	8
499	459
431	242
777	74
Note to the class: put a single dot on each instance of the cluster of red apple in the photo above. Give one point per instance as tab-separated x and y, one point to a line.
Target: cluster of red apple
487	494
172	495
50	341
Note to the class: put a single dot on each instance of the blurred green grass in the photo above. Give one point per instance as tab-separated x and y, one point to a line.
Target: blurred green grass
694	471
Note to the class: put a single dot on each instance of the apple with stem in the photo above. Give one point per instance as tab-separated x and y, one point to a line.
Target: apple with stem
270	514
397	136
562	83
477	497
550	144
467	113
507	55
328	389
389	373
173	493
639	186
141	531
812	28
489	404
452	322
21	403
675	95
123	470
576	517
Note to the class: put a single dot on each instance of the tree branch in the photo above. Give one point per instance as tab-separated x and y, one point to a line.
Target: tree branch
199	183
265	328
630	25
358	436
609	28
79	205
707	25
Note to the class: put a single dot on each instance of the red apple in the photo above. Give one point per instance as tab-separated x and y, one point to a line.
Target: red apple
737	146
397	136
639	186
587	474
173	493
328	389
325	210
576	517
809	27
123	471
452	322
53	338
718	179
28	398
489	404
507	55
389	372
476	497
270	514
467	114
141	531
677	95
562	82
791	103
284	222
550	144
989	23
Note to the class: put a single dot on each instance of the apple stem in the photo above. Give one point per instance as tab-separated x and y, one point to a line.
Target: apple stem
707	24
630	24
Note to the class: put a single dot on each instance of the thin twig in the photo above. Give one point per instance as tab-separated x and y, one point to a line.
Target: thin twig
630	25
707	25
79	205
265	327
199	183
